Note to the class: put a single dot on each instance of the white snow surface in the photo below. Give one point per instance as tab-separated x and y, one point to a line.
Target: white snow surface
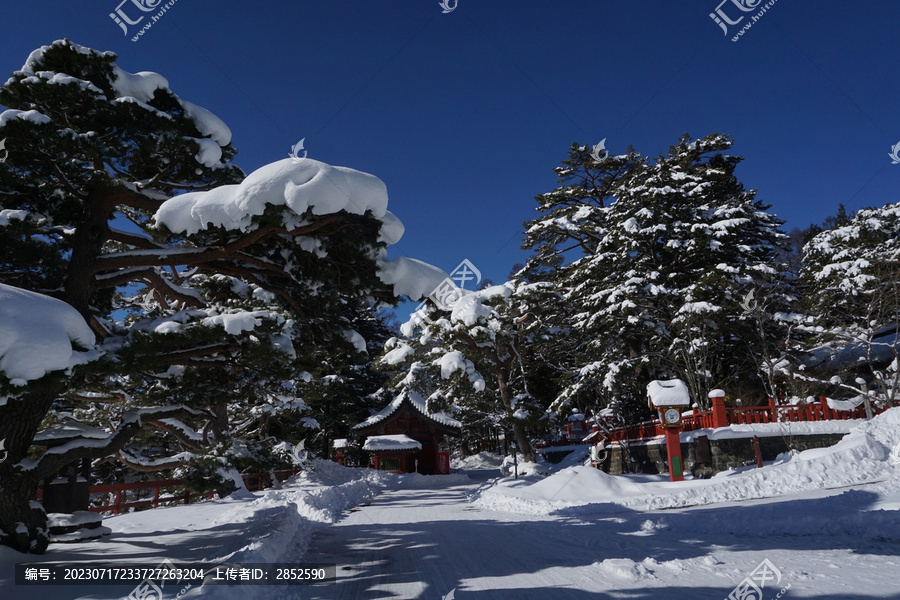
207	123
69	430
410	277
141	85
39	334
411	536
23	115
860	458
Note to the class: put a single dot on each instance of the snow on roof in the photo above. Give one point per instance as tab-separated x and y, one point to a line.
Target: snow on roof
380	443
418	403
37	334
341	443
672	392
70	430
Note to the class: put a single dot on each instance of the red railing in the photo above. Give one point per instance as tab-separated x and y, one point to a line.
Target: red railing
773	413
253	481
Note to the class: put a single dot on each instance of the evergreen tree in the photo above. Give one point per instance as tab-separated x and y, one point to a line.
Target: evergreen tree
207	291
851	274
473	361
658	292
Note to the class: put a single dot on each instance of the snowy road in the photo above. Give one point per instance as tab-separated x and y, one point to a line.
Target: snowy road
424	543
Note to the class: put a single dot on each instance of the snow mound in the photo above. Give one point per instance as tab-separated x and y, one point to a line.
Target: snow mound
482	460
861	457
509	467
624	569
39	334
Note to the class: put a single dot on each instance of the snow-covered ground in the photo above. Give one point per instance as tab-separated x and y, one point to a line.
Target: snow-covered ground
825	520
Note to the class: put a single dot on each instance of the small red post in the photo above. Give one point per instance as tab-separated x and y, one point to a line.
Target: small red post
826	410
773	411
156	497
757	452
720	416
673	449
187	496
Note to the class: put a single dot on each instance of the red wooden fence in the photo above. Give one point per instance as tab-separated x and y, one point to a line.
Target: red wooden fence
773	413
721	416
253	481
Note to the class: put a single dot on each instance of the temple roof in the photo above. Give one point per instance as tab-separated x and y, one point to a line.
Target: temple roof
418	403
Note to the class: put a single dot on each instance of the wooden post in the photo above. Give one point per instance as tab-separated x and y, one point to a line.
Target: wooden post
118	505
773	411
757	452
720	416
156	497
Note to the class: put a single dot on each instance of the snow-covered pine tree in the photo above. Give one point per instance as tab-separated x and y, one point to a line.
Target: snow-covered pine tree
852	278
204	289
571	227
473	361
660	295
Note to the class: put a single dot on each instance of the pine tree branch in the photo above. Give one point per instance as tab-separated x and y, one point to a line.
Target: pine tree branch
131	239
55	459
177	433
126	459
65	181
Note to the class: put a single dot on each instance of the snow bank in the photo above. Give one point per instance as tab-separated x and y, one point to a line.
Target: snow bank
39	334
861	457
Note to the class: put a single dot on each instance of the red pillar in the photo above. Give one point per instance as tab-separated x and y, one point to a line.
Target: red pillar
673	449
720	417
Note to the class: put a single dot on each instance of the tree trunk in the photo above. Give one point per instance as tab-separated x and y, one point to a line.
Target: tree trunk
87	243
518	428
22	526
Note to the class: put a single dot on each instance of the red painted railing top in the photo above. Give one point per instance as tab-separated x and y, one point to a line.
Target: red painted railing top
751	415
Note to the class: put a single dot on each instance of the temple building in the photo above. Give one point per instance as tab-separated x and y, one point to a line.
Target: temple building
406	438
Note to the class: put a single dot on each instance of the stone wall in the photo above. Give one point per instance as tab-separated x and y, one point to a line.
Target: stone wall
721	454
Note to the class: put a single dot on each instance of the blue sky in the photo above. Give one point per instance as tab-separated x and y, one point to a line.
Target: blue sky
464	115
